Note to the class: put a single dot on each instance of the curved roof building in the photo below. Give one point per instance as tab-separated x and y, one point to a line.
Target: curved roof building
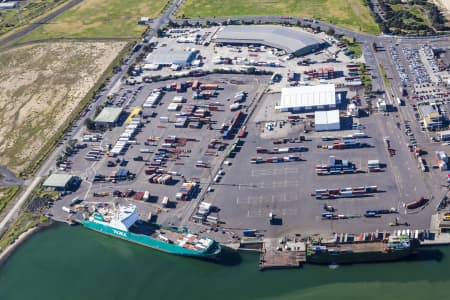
292	40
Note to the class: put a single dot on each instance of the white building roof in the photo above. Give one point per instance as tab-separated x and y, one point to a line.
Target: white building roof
166	56
109	115
326	117
307	96
444	133
289	39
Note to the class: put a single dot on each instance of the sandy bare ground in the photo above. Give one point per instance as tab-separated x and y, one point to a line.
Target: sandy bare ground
444	5
40	85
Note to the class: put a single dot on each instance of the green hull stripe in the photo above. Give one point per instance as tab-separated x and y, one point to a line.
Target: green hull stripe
148	241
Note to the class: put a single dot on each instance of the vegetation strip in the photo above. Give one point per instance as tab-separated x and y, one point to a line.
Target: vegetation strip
352	14
100	18
7	193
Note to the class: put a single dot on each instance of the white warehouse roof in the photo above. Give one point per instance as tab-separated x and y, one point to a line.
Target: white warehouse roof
109	115
289	39
326	117
307	96
166	56
327	120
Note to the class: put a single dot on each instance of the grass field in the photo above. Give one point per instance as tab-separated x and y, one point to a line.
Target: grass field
26	221
9	19
353	46
101	18
7	193
386	81
41	85
352	14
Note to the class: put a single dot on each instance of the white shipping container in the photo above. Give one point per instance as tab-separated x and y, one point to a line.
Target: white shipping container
66	209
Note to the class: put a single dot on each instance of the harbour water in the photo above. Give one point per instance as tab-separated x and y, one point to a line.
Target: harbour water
74	263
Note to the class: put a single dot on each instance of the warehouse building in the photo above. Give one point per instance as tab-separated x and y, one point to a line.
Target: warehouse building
431	116
293	41
9	5
62	182
444	135
168	57
307	98
108	117
327	120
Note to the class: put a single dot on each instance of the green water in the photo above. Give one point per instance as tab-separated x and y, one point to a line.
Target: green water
74	263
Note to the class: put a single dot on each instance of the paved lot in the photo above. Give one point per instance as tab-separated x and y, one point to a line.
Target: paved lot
249	192
242	57
190	153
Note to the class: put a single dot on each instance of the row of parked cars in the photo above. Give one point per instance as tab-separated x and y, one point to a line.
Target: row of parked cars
416	66
399	66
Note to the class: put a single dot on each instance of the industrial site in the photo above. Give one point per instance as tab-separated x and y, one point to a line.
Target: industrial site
245	133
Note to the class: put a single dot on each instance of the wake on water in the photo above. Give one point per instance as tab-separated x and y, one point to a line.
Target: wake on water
333	266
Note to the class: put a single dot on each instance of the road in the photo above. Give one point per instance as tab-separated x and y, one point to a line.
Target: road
33	26
47	166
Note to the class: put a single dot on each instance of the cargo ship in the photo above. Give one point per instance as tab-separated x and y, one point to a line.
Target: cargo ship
394	248
123	222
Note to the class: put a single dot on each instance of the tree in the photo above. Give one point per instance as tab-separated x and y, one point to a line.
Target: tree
89	123
330	31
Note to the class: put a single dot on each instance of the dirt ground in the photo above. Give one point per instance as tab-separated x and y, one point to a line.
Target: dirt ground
444	5
40	85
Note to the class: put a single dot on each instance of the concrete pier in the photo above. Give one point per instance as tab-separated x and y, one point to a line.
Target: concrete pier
283	255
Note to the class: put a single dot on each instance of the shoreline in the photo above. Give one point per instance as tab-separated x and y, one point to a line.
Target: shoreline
9	250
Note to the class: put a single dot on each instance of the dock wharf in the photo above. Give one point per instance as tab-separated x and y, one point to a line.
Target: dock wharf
439	239
68	220
291	255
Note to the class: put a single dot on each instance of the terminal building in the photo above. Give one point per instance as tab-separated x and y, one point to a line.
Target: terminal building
327	120
307	98
294	41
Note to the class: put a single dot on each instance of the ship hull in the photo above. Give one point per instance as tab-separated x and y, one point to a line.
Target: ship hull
150	242
355	258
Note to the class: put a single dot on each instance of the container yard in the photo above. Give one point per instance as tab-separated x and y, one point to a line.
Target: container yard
205	150
212	152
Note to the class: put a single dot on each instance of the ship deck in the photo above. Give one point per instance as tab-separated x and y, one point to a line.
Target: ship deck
360	247
163	234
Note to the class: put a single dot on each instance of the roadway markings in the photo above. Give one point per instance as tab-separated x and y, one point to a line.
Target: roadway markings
266	199
277	171
264	212
270	185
